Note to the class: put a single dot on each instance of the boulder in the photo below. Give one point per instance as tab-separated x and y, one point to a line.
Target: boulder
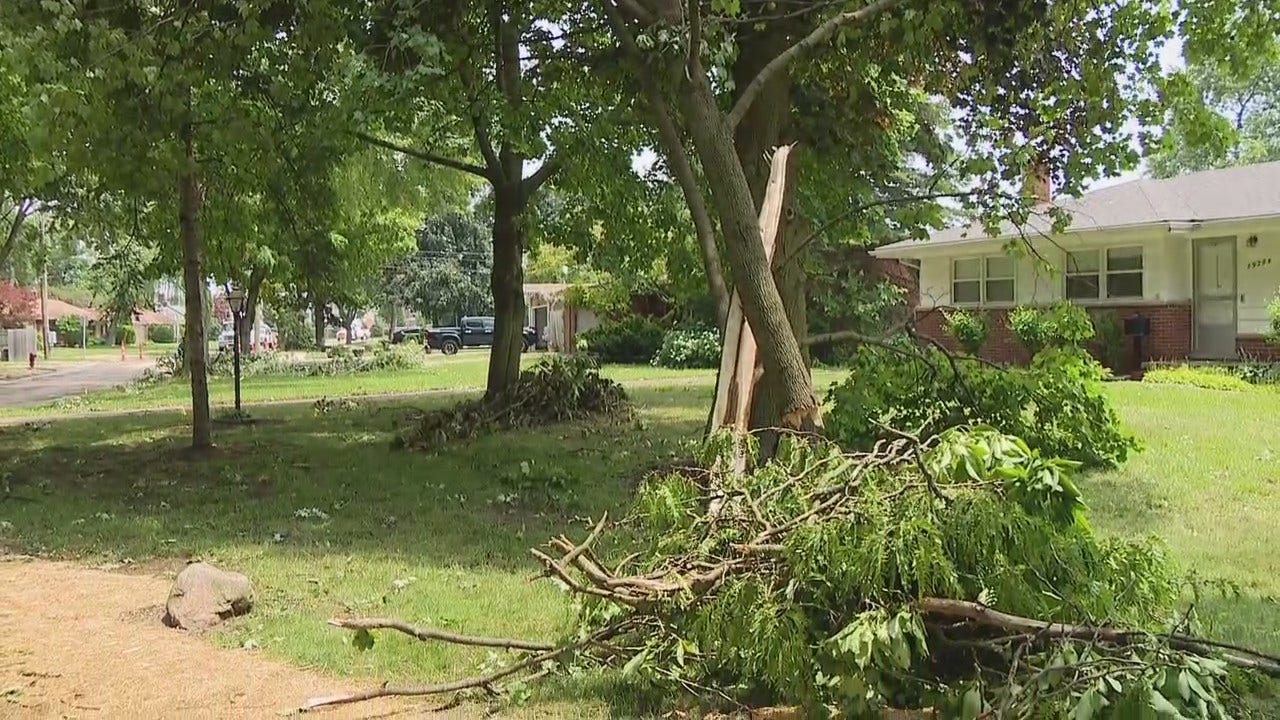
203	596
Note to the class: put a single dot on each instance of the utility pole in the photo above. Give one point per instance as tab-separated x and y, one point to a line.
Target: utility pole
44	293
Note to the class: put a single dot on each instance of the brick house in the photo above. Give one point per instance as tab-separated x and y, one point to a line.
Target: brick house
1198	255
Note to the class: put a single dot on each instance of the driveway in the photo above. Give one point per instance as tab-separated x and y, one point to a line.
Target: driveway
68	379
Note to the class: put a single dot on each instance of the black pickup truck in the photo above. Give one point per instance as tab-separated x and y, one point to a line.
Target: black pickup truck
473	332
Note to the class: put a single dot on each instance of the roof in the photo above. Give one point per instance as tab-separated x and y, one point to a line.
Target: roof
1237	193
163	316
545	291
56	308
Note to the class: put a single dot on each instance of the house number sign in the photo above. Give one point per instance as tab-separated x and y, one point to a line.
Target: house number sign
1259	263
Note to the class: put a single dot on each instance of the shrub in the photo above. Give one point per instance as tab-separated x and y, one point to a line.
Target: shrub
1259	373
1057	405
1111	343
125	335
1272	333
293	331
970	330
161	334
1212	378
689	349
634	340
70	331
1062	326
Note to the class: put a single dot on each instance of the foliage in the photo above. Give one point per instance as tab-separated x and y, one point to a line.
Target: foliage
1273	320
1062	326
633	340
1220	114
341	361
125	335
603	294
17	306
161	334
1259	373
556	389
689	348
968	329
291	329
832	611
70	331
1057	405
448	277
1111	344
1212	378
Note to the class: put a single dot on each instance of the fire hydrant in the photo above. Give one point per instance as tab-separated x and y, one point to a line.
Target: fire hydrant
31	361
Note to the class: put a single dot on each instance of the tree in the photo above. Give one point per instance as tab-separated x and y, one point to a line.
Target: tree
1028	83
1220	115
180	113
448	275
17	306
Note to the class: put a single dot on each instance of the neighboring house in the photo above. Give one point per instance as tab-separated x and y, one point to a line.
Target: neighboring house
557	322
1198	255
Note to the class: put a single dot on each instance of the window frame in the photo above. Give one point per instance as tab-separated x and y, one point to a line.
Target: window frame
982	280
1103	275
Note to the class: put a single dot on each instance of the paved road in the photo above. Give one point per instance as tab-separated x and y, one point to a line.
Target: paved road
68	379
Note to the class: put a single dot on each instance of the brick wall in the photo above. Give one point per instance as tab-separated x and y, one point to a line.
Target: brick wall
1256	347
1170	337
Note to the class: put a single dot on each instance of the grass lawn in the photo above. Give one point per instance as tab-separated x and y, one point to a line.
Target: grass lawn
329	521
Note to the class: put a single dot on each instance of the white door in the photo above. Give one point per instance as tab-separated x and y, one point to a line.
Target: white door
1214	268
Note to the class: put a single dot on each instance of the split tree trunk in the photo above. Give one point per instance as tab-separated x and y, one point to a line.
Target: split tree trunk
252	293
506	282
197	345
762	303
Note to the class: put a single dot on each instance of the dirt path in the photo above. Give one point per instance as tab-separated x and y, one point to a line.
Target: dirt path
83	643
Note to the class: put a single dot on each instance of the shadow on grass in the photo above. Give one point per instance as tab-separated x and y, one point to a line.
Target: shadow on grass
305	481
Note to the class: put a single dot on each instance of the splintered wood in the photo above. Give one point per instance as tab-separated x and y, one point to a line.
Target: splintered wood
739	370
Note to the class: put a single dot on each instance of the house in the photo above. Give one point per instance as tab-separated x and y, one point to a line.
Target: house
1196	255
556	320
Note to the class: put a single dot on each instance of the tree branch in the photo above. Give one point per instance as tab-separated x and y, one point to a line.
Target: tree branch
428	634
550	167
819	35
21	212
426	156
982	615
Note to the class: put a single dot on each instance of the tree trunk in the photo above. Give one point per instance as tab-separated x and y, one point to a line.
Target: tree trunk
507	284
20	213
317	320
197	345
252	293
762	304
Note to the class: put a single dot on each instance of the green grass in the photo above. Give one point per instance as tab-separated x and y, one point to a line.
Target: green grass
439	539
438	373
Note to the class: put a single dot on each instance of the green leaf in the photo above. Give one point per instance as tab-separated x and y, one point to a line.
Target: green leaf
363	640
635	662
971	704
1162	706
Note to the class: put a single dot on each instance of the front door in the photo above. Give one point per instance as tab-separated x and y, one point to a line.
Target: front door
1214	268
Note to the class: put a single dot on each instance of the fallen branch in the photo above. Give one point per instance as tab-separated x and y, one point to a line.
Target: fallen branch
480	681
429	634
979	614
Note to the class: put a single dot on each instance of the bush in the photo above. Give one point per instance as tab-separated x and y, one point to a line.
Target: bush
1112	346
689	349
1062	326
634	340
293	331
161	334
1057	405
125	335
70	331
1259	373
1212	378
970	330
1272	333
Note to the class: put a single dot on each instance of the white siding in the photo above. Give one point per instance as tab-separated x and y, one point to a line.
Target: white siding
1256	285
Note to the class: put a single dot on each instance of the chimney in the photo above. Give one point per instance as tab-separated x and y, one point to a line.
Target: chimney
1039	183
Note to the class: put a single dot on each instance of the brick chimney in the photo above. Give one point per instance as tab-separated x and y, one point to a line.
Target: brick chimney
1039	183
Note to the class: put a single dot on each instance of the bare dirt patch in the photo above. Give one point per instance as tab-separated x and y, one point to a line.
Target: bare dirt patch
83	643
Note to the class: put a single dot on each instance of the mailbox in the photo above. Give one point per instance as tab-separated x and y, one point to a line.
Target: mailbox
1137	326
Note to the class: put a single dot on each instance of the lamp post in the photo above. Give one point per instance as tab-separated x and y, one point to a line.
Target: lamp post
235	298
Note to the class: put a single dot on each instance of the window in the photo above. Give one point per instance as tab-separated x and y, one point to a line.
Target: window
1097	274
983	280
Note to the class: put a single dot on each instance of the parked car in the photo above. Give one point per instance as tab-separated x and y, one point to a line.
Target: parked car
406	334
474	331
227	339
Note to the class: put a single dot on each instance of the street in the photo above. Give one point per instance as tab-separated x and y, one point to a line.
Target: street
68	379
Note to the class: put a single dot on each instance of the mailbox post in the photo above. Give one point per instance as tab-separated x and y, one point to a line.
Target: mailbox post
1138	327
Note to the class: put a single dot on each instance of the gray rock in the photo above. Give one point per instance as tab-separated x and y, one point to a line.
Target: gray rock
203	596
